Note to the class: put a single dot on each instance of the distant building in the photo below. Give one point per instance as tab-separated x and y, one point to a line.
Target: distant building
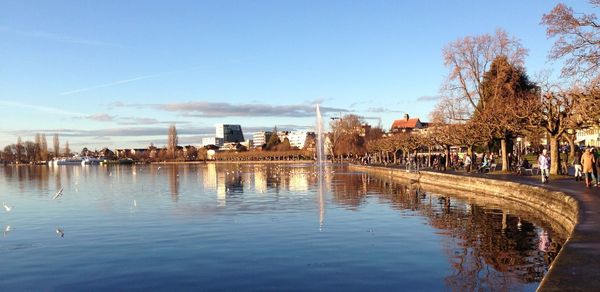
261	138
229	133
212	141
248	144
298	138
588	137
407	125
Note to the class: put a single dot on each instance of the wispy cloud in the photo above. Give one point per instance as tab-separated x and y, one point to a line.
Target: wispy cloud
142	131
40	108
383	110
98	117
69	92
425	98
58	37
124	81
132	121
225	109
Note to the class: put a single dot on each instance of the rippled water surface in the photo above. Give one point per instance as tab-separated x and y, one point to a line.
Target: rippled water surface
256	227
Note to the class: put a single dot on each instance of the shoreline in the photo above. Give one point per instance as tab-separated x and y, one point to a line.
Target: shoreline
237	162
564	203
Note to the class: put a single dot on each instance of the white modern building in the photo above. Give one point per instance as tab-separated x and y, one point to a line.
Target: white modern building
588	137
212	141
261	138
297	138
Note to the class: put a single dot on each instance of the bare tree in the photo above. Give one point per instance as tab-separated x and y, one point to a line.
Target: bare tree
172	142
31	151
44	147
19	150
345	135
38	143
510	97
470	57
56	144
67	149
578	40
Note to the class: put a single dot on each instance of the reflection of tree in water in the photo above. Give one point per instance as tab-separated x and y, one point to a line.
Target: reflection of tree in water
488	248
174	182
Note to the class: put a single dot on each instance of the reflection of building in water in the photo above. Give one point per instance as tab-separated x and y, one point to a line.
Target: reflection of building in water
298	180
209	177
260	180
221	189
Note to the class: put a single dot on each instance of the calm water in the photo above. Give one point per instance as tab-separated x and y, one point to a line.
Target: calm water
255	227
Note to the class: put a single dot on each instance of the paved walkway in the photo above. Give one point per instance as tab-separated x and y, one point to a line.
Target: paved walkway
578	266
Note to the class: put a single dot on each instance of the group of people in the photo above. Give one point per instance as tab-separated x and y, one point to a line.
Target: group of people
486	162
586	164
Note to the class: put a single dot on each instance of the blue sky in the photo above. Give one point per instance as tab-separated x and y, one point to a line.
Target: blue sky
117	73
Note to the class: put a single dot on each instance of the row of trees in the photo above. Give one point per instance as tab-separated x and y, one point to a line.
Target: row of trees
33	151
489	99
488	86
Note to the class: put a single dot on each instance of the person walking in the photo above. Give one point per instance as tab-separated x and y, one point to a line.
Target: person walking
443	162
468	163
544	162
577	165
597	162
594	168
588	162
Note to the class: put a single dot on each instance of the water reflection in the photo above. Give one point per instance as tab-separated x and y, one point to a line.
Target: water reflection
487	247
173	174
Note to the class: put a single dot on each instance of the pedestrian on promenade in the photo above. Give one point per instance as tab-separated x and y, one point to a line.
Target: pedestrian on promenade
443	162
544	162
595	167
468	163
577	165
588	162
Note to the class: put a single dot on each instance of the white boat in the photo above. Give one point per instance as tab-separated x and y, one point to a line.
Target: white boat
68	161
91	161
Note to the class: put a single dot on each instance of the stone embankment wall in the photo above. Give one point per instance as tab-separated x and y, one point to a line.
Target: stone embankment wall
561	211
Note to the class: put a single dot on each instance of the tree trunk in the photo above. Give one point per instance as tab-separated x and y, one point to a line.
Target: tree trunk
447	157
571	141
504	154
428	156
554	160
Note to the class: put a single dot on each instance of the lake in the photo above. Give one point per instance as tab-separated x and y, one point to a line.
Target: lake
257	227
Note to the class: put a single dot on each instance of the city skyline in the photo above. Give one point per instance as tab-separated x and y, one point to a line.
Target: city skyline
104	75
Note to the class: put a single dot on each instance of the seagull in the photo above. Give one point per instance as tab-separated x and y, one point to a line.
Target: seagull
7	207
134	203
58	194
7	229
60	232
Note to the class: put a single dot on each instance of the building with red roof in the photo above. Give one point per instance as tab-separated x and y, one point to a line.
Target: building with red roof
407	125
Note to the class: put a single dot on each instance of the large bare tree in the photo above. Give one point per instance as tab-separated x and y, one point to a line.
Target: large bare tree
44	147
578	40
469	60
470	57
56	144
67	149
172	142
345	136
